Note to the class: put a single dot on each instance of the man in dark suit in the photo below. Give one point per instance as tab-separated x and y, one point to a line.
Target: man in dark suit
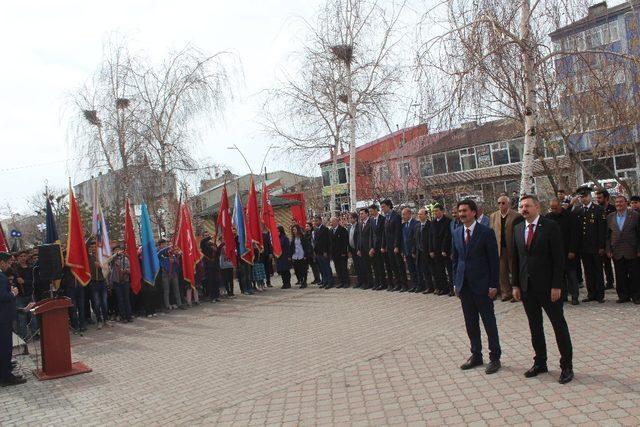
365	246
7	316
476	267
339	250
439	249
602	199
538	269
591	241
568	224
623	247
407	244
353	235
424	266
396	270
321	241
377	224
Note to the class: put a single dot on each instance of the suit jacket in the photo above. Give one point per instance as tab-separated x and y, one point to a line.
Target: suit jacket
339	242
624	243
321	240
365	237
568	223
408	236
421	241
542	265
378	232
484	221
592	226
7	301
496	225
439	235
475	264
392	235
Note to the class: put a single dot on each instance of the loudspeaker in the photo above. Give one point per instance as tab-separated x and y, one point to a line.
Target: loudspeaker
50	262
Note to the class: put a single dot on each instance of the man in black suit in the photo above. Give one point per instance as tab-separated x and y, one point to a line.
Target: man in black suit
591	243
421	254
321	241
377	225
396	270
409	225
339	250
354	233
440	242
538	269
7	316
365	245
568	224
603	199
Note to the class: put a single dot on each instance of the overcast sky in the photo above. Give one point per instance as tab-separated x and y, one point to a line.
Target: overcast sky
51	48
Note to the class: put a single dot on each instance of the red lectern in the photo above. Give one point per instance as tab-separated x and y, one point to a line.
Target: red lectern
55	343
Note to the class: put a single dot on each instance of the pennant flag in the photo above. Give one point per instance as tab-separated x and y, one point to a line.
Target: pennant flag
51	233
246	253
3	241
186	241
100	233
269	221
132	251
254	235
150	262
224	226
77	256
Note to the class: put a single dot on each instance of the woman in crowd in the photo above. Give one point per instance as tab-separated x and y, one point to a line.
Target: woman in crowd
300	252
283	263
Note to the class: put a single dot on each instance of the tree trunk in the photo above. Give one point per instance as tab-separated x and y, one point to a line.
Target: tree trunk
527	183
352	142
333	178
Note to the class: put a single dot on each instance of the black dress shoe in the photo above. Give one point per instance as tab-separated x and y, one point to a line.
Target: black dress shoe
601	300
622	300
471	363
505	299
429	291
535	370
403	290
636	301
575	302
493	367
566	376
588	299
12	380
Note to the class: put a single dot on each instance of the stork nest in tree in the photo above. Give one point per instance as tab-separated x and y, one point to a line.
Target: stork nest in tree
343	98
122	103
344	52
92	117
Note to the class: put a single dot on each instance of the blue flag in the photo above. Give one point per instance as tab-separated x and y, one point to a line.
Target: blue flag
150	262
51	233
238	221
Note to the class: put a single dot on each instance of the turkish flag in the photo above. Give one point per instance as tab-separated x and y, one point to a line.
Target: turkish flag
254	232
77	255
132	251
269	221
224	226
3	241
186	241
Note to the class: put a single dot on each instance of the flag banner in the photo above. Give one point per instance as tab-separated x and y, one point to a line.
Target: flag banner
3	241
51	232
238	220
225	228
254	233
269	221
132	251
298	212
186	242
100	233
150	261
77	256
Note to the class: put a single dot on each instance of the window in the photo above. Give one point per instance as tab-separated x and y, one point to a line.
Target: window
453	161
342	176
600	168
553	148
614	33
593	37
326	178
483	155
500	153
626	161
468	157
619	77
405	169
426	167
439	164
383	173
515	150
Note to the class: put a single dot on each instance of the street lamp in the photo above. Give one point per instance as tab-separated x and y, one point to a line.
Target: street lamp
235	147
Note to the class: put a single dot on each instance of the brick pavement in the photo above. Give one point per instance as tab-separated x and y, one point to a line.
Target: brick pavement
307	357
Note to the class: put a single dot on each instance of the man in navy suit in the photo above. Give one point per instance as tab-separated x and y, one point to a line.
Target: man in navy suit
409	225
7	316
476	281
321	240
391	237
375	253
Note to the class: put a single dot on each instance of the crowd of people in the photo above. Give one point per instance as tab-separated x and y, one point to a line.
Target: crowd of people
396	251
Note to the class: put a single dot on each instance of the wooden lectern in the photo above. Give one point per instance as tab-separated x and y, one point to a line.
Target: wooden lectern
55	343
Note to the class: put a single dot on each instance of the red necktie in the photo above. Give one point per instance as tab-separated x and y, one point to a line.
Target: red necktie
468	238
530	236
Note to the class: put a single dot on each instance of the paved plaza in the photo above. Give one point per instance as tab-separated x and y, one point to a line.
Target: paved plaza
336	357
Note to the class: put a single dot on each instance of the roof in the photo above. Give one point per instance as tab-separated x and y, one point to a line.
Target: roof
275	202
462	137
412	130
596	13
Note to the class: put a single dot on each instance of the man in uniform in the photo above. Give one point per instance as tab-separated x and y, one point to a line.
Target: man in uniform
591	242
7	316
